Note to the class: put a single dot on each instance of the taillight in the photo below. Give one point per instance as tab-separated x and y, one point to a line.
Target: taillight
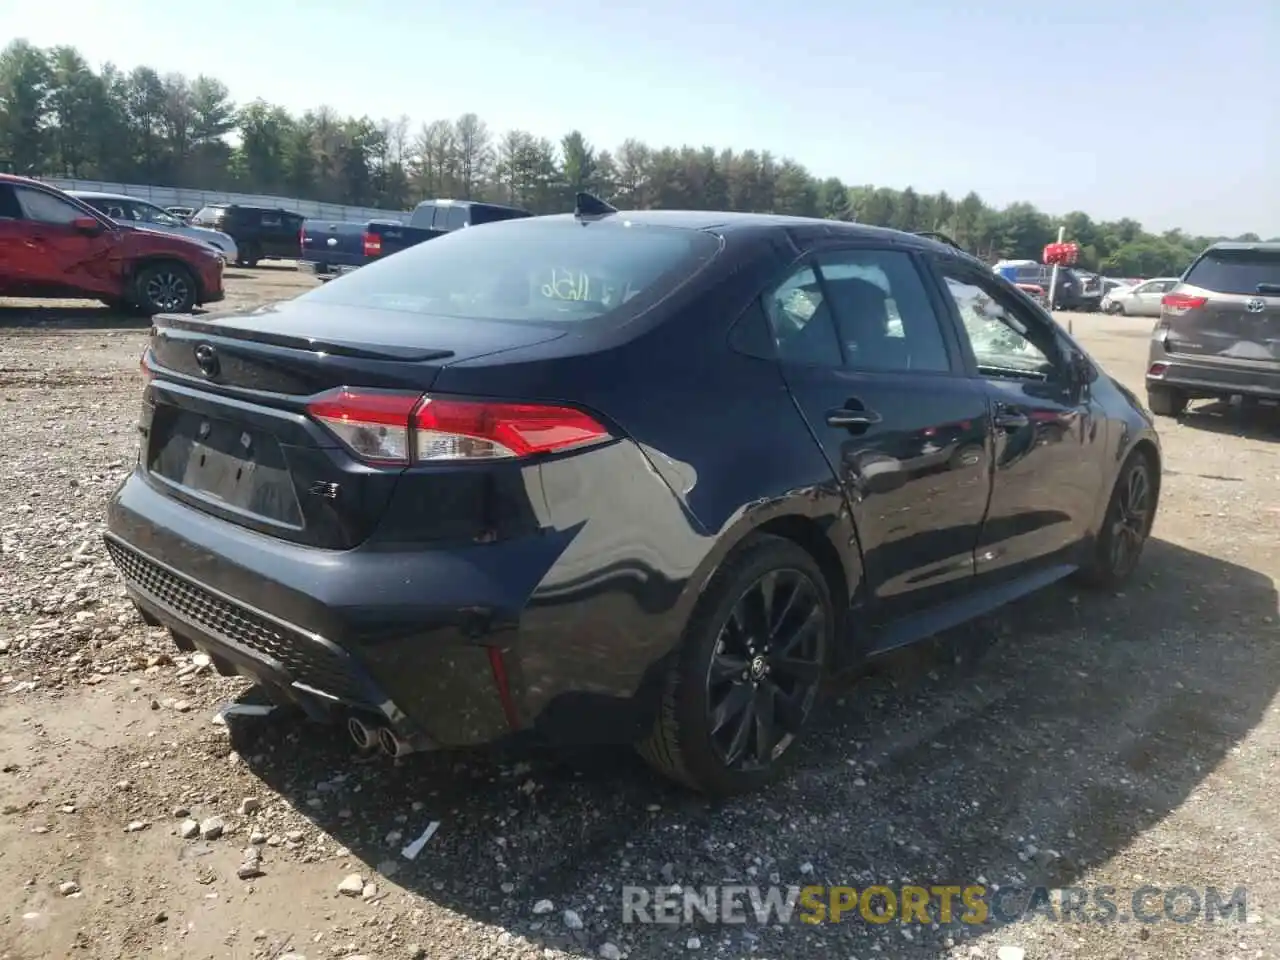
373	423
1176	304
403	428
372	245
302	238
448	429
1157	369
148	374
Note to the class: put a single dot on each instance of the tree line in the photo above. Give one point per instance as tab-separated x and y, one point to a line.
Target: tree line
61	117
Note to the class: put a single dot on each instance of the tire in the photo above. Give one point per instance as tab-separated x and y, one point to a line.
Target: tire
119	305
1166	401
1126	526
165	287
1115	309
731	757
249	255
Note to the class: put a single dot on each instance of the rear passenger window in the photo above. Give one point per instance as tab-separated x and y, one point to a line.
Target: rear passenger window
441	220
801	320
457	218
884	318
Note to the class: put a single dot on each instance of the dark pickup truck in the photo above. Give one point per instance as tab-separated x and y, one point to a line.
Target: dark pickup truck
330	248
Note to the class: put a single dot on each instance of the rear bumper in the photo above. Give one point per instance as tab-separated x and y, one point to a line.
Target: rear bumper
1210	379
453	647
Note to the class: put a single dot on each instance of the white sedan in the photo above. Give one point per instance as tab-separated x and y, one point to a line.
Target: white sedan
141	213
1140	300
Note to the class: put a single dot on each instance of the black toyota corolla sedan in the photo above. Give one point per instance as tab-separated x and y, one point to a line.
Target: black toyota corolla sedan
622	477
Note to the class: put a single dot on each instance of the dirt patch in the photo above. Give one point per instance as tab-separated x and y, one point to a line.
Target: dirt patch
1075	740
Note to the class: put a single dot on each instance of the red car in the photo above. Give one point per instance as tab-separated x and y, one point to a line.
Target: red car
52	245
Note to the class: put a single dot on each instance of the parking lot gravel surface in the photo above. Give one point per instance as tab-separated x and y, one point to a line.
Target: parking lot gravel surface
1075	740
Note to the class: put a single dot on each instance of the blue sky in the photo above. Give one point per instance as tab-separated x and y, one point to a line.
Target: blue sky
996	96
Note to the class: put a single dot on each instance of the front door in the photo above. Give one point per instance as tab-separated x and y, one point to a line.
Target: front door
1047	429
62	259
877	378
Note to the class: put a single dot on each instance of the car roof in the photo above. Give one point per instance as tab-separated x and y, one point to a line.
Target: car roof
1262	246
726	222
249	206
25	181
449	202
93	195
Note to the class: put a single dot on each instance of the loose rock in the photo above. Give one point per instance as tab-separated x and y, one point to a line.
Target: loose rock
352	885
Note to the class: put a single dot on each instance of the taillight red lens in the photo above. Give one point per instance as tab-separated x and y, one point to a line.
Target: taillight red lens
402	428
373	423
148	374
447	429
372	245
1180	303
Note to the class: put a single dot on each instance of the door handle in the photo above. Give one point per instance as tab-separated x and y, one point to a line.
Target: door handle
848	417
1010	420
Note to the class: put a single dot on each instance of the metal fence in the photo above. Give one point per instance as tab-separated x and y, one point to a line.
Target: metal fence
183	197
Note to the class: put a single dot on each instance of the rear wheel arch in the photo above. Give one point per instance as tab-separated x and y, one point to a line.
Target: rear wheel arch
808	534
842	574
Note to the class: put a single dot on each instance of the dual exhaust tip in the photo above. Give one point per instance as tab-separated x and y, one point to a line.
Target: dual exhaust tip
367	736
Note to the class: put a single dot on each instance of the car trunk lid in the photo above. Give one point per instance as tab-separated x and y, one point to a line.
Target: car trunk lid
231	422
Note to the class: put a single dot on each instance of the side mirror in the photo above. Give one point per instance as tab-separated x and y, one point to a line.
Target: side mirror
1083	370
87	225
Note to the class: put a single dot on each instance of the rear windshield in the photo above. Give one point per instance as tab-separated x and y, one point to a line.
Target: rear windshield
209	213
527	270
1235	271
482	214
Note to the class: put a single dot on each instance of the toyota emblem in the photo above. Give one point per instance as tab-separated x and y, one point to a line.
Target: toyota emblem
1256	305
207	358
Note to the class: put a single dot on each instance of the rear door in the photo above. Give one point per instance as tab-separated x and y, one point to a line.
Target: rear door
875	375
1228	307
275	237
1049	433
59	257
1147	296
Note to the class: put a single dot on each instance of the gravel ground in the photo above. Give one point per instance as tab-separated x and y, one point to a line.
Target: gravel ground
1075	740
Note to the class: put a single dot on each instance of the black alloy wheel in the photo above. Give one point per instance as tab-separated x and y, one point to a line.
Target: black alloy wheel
1132	519
764	675
1127	525
746	680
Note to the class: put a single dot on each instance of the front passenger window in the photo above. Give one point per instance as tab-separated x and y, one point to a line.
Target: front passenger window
1006	344
46	208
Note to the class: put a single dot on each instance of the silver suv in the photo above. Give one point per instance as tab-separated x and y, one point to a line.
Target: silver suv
1219	330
